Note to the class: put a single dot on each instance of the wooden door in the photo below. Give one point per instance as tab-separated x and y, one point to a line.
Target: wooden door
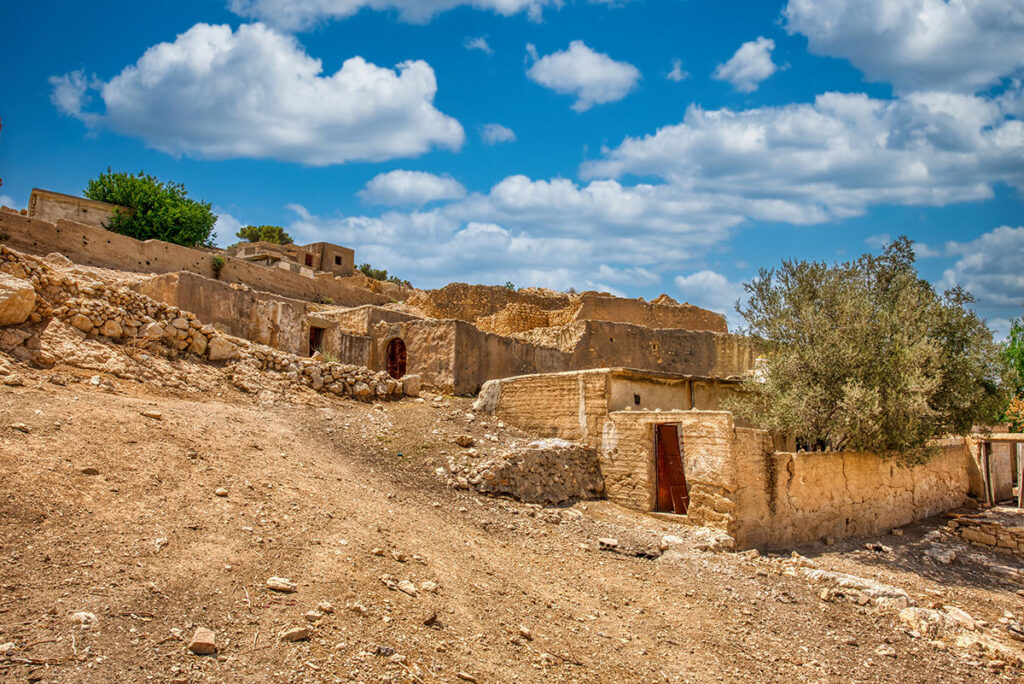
672	494
396	358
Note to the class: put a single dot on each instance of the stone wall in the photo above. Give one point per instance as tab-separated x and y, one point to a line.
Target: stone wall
786	499
362	319
769	499
258	316
649	314
119	315
1003	533
92	246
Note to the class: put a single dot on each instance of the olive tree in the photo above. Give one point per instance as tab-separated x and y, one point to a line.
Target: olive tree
866	356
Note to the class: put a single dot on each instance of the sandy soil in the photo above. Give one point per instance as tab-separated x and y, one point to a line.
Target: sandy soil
107	511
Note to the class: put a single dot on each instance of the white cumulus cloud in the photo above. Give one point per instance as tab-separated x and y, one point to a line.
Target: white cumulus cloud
403	188
302	14
833	158
215	93
8	201
751	64
494	133
958	45
712	290
990	268
592	77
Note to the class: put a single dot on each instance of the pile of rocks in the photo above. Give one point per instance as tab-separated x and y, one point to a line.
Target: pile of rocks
546	471
106	312
991	532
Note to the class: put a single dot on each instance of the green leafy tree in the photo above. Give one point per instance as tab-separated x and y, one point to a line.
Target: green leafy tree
158	211
867	356
1013	356
274	234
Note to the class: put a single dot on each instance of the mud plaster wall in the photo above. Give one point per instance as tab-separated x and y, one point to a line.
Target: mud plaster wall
361	320
92	246
785	499
430	350
50	206
567	405
595	344
626	449
637	312
264	318
667	395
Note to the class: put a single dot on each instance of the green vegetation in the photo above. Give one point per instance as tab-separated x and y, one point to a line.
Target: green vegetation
217	263
274	234
510	286
1013	356
159	211
381	274
866	356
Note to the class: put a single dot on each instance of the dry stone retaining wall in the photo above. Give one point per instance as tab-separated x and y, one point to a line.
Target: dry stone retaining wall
993	533
119	314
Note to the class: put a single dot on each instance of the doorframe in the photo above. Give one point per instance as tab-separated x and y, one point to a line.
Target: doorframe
654	464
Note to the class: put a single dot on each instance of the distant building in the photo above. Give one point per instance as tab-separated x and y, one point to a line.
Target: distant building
305	259
53	206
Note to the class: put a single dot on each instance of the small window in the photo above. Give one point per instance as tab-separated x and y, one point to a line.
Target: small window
636	399
337	261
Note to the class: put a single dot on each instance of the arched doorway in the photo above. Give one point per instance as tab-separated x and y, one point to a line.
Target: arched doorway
396	358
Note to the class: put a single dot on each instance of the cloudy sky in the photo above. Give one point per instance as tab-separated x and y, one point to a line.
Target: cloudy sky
631	146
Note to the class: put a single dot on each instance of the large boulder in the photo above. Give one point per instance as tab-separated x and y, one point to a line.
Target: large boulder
17	297
547	471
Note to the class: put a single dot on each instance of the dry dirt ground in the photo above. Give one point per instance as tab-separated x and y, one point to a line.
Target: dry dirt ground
107	511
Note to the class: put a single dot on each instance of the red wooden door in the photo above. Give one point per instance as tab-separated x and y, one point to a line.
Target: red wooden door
672	494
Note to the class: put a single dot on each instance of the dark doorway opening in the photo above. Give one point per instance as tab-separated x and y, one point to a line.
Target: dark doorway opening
316	339
396	358
672	493
309	260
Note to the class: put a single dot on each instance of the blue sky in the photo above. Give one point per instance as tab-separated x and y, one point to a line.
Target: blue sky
637	147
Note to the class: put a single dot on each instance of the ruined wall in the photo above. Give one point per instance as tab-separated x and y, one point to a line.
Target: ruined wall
596	344
471	302
482	356
786	499
53	206
430	349
647	314
66	305
361	320
93	246
258	316
763	498
566	405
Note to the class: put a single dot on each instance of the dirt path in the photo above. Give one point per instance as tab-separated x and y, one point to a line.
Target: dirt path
159	525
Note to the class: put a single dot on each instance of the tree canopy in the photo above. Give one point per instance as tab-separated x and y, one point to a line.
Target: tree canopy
159	211
274	234
1013	355
867	356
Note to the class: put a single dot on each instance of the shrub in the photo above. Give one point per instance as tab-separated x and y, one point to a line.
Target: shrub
510	286
274	234
159	211
217	263
866	356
